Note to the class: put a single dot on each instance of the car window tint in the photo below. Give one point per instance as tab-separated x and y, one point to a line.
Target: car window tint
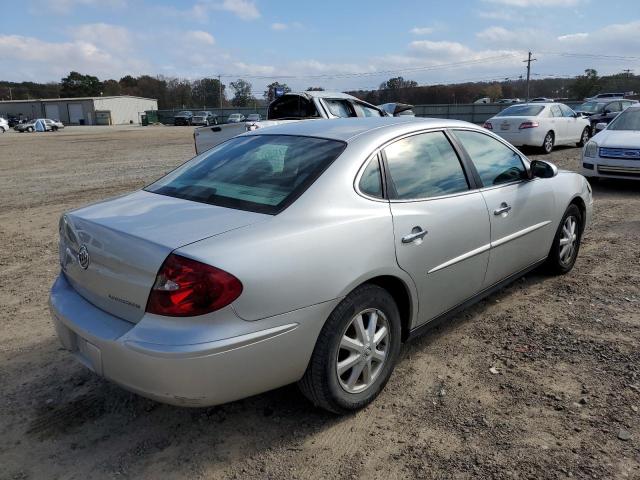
496	163
340	108
367	111
566	111
614	107
260	173
371	180
423	166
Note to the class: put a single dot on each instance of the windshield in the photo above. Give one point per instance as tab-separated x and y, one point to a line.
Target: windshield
259	173
590	107
253	116
627	120
201	114
234	115
185	113
521	111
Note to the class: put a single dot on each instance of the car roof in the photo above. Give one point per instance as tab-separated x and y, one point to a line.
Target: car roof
345	129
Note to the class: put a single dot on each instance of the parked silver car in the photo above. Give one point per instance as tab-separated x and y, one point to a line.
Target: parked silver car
308	253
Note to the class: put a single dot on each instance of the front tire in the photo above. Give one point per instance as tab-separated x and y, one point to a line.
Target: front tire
584	138
547	143
355	353
566	244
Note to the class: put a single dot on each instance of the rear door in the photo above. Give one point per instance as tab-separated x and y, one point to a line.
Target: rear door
560	125
440	221
520	210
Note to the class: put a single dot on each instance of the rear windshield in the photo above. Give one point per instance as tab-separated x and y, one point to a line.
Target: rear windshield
627	120
292	107
521	111
259	173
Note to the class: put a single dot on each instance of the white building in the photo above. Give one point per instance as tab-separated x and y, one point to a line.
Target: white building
118	110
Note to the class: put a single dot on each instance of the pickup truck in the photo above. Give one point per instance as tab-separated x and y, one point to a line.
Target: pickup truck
290	107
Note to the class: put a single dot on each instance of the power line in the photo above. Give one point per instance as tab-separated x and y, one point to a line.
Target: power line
379	72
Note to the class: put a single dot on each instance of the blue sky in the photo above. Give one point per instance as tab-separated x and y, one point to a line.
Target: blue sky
335	44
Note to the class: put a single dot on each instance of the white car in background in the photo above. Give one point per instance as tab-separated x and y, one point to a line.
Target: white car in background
4	125
615	151
541	125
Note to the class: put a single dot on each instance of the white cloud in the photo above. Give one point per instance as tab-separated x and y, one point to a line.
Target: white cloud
536	3
245	9
573	36
200	37
421	30
279	26
104	35
31	58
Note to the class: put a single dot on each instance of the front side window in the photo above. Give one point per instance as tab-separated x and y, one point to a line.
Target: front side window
566	111
259	173
424	166
495	162
613	107
340	108
292	107
367	111
555	111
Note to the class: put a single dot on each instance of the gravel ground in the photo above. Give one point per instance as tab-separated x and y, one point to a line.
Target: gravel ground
564	402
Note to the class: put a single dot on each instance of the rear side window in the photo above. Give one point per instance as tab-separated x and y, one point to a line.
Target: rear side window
495	162
371	180
293	107
259	173
424	166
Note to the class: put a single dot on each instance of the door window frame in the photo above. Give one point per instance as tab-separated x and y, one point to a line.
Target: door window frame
483	187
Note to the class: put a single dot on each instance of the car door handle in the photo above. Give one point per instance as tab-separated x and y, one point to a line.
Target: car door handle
416	234
504	208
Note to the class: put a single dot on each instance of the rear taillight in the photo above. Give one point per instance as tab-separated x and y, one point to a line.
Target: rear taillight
186	288
528	125
488	126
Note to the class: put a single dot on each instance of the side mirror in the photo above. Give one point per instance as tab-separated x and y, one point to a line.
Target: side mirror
542	169
600	126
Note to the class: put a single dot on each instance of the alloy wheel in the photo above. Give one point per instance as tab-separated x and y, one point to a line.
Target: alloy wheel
548	143
568	240
363	349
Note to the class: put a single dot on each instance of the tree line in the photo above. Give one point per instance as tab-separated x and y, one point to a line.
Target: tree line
172	92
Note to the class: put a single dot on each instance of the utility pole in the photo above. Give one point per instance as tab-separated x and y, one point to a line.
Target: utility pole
529	60
220	92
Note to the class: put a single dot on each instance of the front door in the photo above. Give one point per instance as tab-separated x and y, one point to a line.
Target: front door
441	226
520	210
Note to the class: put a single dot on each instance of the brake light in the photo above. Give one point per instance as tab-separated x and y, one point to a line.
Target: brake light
488	125
528	125
186	288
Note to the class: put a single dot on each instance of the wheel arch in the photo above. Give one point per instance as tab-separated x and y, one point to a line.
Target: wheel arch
401	294
579	202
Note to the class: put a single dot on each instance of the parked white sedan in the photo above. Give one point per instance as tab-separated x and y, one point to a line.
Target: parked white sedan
540	125
615	151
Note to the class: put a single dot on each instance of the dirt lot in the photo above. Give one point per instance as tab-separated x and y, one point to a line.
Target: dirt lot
565	402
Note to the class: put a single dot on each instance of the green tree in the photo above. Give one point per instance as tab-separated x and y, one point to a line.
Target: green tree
206	91
397	83
585	85
242	96
111	87
315	89
79	85
270	93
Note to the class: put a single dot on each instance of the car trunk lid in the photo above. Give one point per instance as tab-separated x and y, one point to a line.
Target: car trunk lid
110	252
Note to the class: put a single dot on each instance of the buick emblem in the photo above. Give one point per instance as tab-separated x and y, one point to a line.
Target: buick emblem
83	257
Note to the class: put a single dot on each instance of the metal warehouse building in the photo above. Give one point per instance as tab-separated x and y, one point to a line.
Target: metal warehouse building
81	111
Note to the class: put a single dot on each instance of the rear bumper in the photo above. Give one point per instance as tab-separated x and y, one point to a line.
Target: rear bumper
533	137
236	358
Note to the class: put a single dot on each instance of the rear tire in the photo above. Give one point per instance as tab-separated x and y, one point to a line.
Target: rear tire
547	143
355	353
566	244
584	138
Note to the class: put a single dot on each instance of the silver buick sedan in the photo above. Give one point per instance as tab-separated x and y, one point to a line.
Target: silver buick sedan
307	253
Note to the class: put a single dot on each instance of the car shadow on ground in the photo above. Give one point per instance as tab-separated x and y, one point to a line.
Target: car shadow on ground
74	414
